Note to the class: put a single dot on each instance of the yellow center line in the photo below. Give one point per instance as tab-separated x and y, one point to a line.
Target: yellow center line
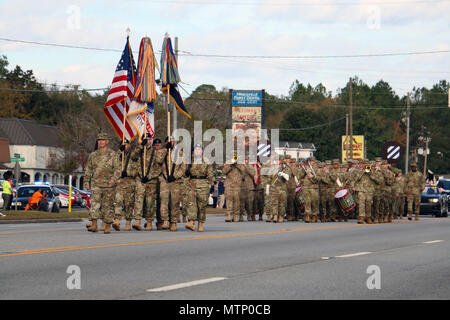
46	230
204	237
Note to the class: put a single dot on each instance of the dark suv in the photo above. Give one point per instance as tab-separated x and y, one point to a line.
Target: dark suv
434	201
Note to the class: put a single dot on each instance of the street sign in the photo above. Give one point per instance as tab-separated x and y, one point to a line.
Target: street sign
16	155
16	159
392	151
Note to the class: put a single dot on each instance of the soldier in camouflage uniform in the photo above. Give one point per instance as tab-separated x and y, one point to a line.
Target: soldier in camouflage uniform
268	169
278	190
171	188
233	181
126	188
102	172
310	190
146	186
259	192
248	190
389	197
201	176
364	183
324	190
336	178
378	202
291	185
414	184
399	191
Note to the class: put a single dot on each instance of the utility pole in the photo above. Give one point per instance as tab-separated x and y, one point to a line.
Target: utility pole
351	119
346	136
425	157
175	112
408	105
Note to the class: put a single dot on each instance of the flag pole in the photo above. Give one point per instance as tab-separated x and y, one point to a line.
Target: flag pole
145	137
168	127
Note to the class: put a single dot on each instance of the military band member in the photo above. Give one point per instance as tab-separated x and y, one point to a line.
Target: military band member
102	172
364	183
278	190
233	181
310	190
399	191
248	188
389	181
201	176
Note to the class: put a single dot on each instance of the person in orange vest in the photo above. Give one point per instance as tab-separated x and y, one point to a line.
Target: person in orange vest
34	199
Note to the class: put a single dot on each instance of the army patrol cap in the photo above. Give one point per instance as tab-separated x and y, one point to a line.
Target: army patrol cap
198	145
102	136
378	159
344	165
328	162
335	161
413	164
321	165
156	141
312	159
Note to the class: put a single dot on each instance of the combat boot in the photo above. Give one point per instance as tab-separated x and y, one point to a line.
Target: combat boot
306	218
128	225
148	225
158	225
417	217
190	225
269	218
409	215
340	219
241	218
228	217
165	225
102	226
253	217
275	219
107	228
137	225
261	217
235	218
360	220
184	219
116	225
368	220
390	218
280	219
173	226
200	226
380	219
93	226
290	218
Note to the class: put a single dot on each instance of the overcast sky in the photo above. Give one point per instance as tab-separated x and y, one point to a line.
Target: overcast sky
236	27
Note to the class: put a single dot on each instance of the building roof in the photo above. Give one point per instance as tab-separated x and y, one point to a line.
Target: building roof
297	145
29	132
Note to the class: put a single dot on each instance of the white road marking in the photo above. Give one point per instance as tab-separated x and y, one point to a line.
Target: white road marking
353	254
186	284
325	258
433	241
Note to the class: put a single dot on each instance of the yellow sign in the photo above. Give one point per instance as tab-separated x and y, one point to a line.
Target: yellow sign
358	147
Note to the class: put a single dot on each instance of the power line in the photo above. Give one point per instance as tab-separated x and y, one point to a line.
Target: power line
297	4
190	54
313	127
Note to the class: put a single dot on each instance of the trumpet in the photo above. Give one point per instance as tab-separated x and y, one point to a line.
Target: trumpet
235	157
368	168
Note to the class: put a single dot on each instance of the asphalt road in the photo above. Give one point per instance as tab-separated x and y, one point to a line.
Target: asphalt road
250	260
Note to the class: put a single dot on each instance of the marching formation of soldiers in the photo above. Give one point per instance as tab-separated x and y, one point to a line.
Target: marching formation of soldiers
144	184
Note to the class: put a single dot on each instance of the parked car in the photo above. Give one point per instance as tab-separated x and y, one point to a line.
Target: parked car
433	201
26	191
64	196
76	196
444	186
86	198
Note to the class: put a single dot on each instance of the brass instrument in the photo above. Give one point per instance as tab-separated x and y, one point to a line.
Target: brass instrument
368	168
235	157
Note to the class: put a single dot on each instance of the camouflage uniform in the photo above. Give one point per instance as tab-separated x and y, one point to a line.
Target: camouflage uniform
324	193
171	192
267	170
126	188
365	186
258	206
101	168
248	188
311	192
414	184
278	192
389	197
399	191
232	185
201	176
291	185
146	191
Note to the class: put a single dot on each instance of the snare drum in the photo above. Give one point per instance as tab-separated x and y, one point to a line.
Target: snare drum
344	200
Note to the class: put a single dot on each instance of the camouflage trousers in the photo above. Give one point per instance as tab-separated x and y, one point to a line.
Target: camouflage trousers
268	201
145	192
102	204
324	205
290	202
388	204
312	201
259	201
171	196
413	198
365	201
232	196
399	206
125	198
278	201
247	200
378	205
197	199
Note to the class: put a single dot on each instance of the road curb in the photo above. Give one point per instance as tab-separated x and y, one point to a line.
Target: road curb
41	221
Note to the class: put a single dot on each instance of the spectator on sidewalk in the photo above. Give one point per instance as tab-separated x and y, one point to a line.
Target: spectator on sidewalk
7	191
221	193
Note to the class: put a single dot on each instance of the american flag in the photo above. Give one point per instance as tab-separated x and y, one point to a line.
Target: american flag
121	93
